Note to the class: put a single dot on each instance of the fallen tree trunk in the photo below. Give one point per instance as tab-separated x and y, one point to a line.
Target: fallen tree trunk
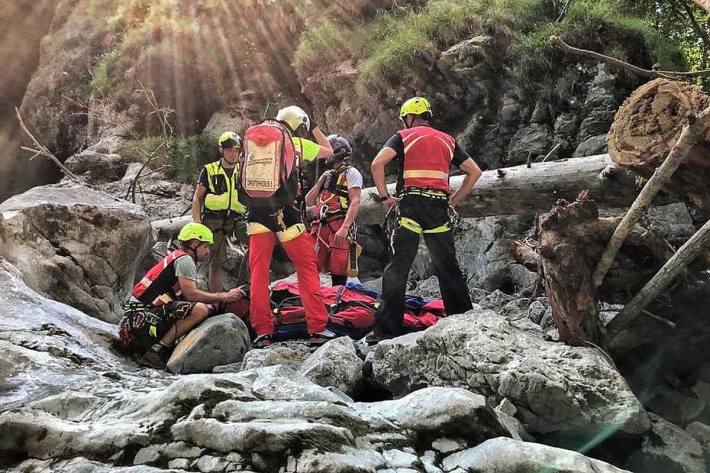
520	190
517	190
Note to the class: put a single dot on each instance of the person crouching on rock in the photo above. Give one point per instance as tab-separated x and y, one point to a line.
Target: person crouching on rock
166	303
336	196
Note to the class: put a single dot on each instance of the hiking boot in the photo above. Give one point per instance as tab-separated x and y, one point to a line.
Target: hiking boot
318	339
153	359
262	341
373	338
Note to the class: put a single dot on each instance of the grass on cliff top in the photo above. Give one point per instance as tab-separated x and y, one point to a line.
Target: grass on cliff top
181	158
398	39
412	38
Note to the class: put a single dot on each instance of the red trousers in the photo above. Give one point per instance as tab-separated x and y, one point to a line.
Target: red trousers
300	251
332	258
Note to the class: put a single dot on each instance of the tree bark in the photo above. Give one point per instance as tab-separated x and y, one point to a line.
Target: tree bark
520	190
563	235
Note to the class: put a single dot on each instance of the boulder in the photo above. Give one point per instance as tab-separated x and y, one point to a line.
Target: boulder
667	448
281	383
433	412
219	340
503	455
291	354
701	433
98	164
556	388
334	364
47	347
591	146
75	245
533	140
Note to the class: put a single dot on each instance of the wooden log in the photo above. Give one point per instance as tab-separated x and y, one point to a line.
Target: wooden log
691	135
567	262
520	190
674	266
169	227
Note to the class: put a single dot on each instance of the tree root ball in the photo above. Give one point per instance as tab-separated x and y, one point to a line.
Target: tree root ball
649	122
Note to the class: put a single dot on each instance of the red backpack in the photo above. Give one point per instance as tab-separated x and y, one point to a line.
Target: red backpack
270	159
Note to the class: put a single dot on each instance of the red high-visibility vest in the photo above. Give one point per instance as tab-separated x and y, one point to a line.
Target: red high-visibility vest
159	285
427	157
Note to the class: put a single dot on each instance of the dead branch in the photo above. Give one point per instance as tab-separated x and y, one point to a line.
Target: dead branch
674	266
673	75
41	150
692	134
132	186
526	255
161	112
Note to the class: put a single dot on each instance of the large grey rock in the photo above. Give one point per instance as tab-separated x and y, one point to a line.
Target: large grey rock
555	387
75	245
292	354
334	364
281	383
667	448
349	461
219	340
99	163
701	433
503	455
533	140
591	146
47	347
434	412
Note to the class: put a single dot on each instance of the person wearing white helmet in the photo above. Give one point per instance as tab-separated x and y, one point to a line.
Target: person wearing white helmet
276	217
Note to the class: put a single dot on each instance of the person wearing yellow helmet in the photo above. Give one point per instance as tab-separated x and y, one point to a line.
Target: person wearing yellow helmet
216	203
424	156
166	303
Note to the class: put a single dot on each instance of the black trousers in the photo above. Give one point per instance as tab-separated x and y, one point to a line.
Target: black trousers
429	214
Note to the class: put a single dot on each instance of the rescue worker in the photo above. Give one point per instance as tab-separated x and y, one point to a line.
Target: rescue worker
167	303
424	156
272	219
336	196
216	204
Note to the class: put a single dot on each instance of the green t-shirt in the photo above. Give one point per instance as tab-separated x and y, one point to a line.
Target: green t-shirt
309	149
185	267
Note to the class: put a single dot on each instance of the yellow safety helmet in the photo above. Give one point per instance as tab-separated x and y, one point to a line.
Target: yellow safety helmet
196	231
415	106
229	139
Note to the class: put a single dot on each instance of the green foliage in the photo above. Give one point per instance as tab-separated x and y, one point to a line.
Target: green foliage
182	157
598	25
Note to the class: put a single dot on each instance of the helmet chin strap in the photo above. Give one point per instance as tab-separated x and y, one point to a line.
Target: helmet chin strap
411	121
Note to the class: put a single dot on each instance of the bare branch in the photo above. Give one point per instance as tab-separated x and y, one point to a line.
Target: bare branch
672	75
41	150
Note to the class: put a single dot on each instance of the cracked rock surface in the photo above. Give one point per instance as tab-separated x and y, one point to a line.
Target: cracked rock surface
75	245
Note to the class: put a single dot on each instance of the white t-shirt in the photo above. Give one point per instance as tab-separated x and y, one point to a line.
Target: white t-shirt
353	178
